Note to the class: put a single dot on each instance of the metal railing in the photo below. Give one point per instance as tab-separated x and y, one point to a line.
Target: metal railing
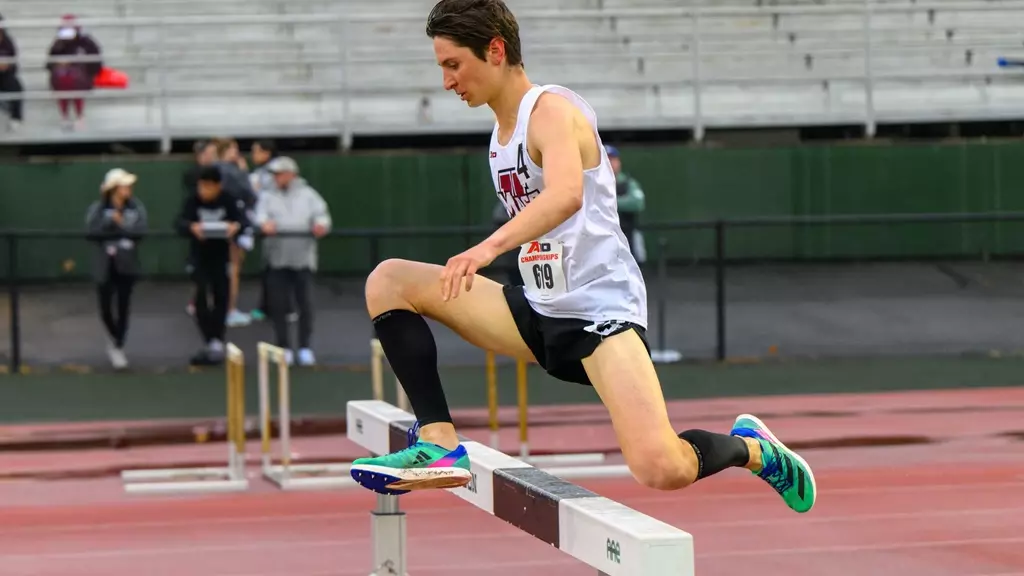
719	260
695	27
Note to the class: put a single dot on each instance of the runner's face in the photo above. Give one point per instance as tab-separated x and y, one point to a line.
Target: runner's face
471	78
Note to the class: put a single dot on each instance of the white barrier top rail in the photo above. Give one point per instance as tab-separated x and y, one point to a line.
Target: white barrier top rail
602	533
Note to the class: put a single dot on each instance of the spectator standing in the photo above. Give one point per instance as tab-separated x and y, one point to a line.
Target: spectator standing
263	151
214	222
292	206
76	76
205	154
234	172
9	82
631	202
116	223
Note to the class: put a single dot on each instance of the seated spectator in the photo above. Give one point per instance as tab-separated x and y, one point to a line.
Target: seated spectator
76	76
116	223
9	83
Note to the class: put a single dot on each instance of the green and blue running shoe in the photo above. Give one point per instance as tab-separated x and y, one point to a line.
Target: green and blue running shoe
421	466
781	468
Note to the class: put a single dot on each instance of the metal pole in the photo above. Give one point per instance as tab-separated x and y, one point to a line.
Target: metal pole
13	292
374	251
387	533
698	123
346	99
720	286
165	135
662	289
662	354
869	84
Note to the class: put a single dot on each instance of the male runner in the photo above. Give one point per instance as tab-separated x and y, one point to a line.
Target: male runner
583	312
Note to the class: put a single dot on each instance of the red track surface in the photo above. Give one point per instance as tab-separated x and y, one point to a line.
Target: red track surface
950	508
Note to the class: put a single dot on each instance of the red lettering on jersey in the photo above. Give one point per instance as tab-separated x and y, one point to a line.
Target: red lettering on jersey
510	185
534	247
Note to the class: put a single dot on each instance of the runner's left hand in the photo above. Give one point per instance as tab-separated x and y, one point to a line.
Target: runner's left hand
465	265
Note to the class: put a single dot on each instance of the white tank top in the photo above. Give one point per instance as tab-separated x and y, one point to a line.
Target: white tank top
582	269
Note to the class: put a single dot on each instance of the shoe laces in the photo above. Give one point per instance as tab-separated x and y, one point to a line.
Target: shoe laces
776	470
412	436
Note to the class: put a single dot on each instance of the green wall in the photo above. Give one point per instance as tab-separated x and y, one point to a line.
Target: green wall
453	188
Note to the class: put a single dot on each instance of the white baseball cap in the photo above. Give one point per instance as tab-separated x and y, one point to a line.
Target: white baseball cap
117	177
282	164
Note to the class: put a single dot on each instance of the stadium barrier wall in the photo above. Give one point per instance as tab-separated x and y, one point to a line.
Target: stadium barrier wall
446	189
721	231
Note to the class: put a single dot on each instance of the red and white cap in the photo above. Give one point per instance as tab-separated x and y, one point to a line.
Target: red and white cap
68	27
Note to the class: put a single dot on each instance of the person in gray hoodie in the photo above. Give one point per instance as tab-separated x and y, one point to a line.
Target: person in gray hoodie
291	206
116	223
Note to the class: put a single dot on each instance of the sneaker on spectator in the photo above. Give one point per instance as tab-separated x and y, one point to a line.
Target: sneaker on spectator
117	357
211	355
306	357
238	318
257	315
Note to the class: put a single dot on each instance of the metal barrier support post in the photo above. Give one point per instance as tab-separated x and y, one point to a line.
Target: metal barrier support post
387	532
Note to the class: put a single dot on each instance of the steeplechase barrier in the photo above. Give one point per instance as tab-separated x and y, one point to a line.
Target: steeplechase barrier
229	478
603	534
284	473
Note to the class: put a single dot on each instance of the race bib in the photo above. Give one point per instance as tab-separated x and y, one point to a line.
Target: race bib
540	263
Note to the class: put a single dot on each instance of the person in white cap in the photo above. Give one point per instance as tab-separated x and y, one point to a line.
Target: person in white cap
116	223
291	206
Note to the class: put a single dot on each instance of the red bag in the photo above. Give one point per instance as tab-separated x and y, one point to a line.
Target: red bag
111	78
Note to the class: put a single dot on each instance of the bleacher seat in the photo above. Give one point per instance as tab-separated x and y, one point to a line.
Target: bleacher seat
279	67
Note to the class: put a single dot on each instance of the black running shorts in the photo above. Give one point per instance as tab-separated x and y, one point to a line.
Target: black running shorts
560	344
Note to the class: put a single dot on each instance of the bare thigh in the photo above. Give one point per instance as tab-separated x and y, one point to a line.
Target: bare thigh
480	316
624	377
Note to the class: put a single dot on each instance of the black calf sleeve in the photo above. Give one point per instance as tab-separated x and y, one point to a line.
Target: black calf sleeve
410	348
716	452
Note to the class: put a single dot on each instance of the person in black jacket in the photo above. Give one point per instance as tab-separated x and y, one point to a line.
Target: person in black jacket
215	222
9	83
116	223
205	154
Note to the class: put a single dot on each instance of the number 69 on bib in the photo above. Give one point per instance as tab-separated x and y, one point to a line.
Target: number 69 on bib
540	263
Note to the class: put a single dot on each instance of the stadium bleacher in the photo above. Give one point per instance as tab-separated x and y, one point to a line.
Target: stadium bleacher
307	67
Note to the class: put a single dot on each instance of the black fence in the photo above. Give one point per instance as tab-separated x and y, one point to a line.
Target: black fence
717	255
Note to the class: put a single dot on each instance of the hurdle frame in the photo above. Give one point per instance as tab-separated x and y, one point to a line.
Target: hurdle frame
603	534
229	478
286	474
593	459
